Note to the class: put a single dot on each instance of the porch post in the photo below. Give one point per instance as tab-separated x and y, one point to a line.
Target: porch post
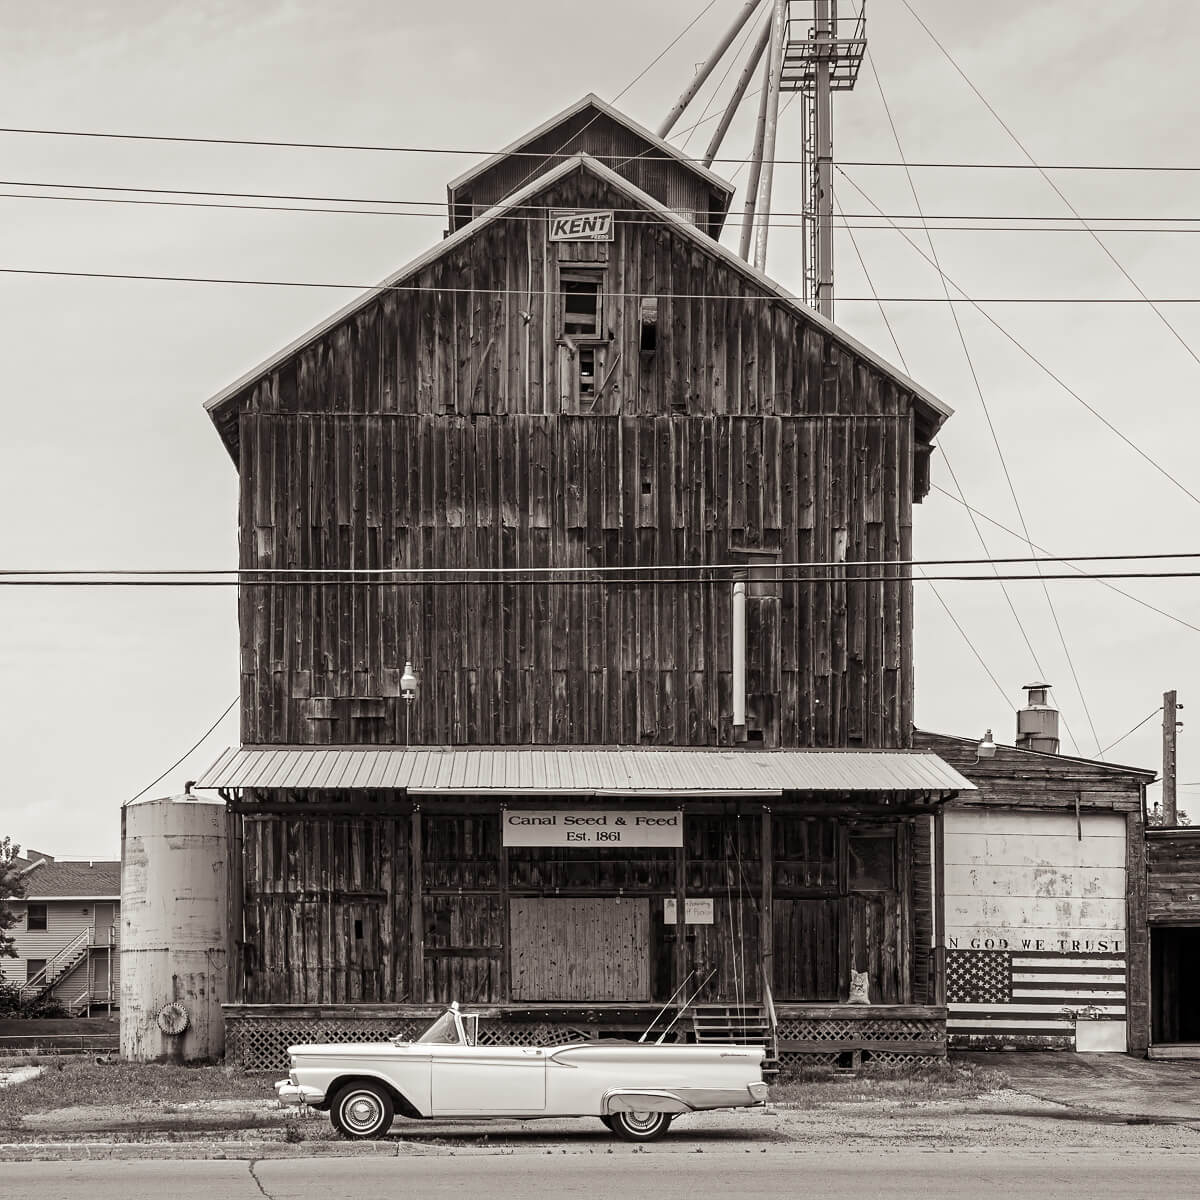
416	911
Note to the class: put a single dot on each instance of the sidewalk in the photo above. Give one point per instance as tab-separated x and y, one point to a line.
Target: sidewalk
1116	1085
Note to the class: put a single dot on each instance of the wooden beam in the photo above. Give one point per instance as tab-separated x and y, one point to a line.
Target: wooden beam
235	889
680	922
1137	959
939	909
766	927
417	966
505	926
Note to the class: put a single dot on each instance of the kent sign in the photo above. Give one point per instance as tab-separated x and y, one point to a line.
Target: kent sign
594	226
620	828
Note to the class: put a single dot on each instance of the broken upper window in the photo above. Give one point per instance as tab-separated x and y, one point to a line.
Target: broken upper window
582	296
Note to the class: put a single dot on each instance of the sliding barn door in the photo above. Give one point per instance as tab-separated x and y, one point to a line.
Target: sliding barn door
580	949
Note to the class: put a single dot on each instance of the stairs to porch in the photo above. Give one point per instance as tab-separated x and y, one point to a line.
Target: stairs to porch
736	1025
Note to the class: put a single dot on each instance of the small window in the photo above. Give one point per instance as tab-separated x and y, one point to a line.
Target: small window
581	302
587	371
358	932
872	862
35	917
33	968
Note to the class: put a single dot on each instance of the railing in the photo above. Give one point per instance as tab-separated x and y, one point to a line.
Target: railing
69	957
772	1018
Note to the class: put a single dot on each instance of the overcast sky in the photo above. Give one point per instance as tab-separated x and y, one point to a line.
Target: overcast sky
108	460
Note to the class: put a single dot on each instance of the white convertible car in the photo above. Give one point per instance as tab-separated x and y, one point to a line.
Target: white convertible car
635	1088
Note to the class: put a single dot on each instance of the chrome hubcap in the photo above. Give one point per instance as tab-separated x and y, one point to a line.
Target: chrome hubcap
641	1121
361	1112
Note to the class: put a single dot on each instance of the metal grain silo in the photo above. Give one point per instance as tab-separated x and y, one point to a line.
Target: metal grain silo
174	906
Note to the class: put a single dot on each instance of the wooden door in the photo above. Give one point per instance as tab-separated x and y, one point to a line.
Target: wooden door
103	921
579	949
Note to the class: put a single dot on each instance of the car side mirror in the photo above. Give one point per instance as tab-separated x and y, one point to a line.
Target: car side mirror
470	1023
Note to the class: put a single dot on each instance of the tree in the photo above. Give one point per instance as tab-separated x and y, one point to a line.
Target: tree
11	887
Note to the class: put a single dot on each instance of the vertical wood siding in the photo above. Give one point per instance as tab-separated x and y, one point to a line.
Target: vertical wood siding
436	429
619	148
325	900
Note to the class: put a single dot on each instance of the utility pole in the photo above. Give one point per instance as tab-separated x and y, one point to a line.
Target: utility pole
804	46
823	56
1170	728
822	168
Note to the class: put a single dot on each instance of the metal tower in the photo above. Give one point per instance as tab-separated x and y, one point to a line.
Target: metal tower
805	46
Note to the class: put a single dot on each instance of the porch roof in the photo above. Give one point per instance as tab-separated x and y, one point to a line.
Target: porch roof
587	771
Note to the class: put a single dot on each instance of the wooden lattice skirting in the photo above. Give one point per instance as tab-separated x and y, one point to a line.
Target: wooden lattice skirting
260	1043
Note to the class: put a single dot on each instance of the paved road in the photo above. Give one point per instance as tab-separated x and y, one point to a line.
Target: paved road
902	1175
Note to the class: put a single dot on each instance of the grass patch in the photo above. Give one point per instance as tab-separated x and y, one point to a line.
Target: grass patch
65	1083
822	1087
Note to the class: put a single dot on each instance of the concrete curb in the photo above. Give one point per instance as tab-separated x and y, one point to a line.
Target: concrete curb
251	1151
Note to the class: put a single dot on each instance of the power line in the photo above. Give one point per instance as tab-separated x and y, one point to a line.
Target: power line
186	755
900	353
1162	612
662	53
1149	717
438	289
522	206
385	148
991	429
1033	358
974	649
988	418
845	576
842	221
798	565
1133	283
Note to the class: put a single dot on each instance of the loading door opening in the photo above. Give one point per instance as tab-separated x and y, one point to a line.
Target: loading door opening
1175	984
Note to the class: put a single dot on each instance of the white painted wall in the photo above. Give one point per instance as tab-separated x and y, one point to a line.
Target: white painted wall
1049	892
65	920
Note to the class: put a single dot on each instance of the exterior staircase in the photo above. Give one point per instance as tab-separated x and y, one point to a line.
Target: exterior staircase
737	1025
64	962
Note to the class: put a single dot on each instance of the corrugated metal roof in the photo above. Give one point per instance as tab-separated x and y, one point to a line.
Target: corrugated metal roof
599	771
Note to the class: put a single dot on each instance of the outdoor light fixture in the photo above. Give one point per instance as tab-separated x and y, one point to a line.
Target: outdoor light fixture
408	689
986	748
408	683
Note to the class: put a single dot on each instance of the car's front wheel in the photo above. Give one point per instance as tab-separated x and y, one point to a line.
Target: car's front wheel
362	1110
639	1126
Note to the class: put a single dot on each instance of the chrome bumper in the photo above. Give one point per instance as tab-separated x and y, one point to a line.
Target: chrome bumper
295	1093
758	1093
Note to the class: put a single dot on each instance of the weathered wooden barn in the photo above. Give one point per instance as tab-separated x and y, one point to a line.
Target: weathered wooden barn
569	465
1044	892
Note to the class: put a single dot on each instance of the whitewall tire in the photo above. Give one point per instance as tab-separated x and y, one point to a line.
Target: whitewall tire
639	1126
362	1110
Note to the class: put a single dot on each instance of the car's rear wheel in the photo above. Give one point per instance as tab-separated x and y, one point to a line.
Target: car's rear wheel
362	1110
639	1126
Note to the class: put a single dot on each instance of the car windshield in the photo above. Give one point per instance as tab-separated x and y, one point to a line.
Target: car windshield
444	1032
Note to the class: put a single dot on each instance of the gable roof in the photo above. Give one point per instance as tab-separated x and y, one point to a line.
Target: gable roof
591	100
71	880
959	750
936	411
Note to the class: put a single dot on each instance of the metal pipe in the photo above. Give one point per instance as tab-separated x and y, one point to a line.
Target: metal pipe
763	203
706	69
739	93
739	654
756	159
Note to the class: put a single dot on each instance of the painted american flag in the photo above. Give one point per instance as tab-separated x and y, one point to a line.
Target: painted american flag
1010	994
